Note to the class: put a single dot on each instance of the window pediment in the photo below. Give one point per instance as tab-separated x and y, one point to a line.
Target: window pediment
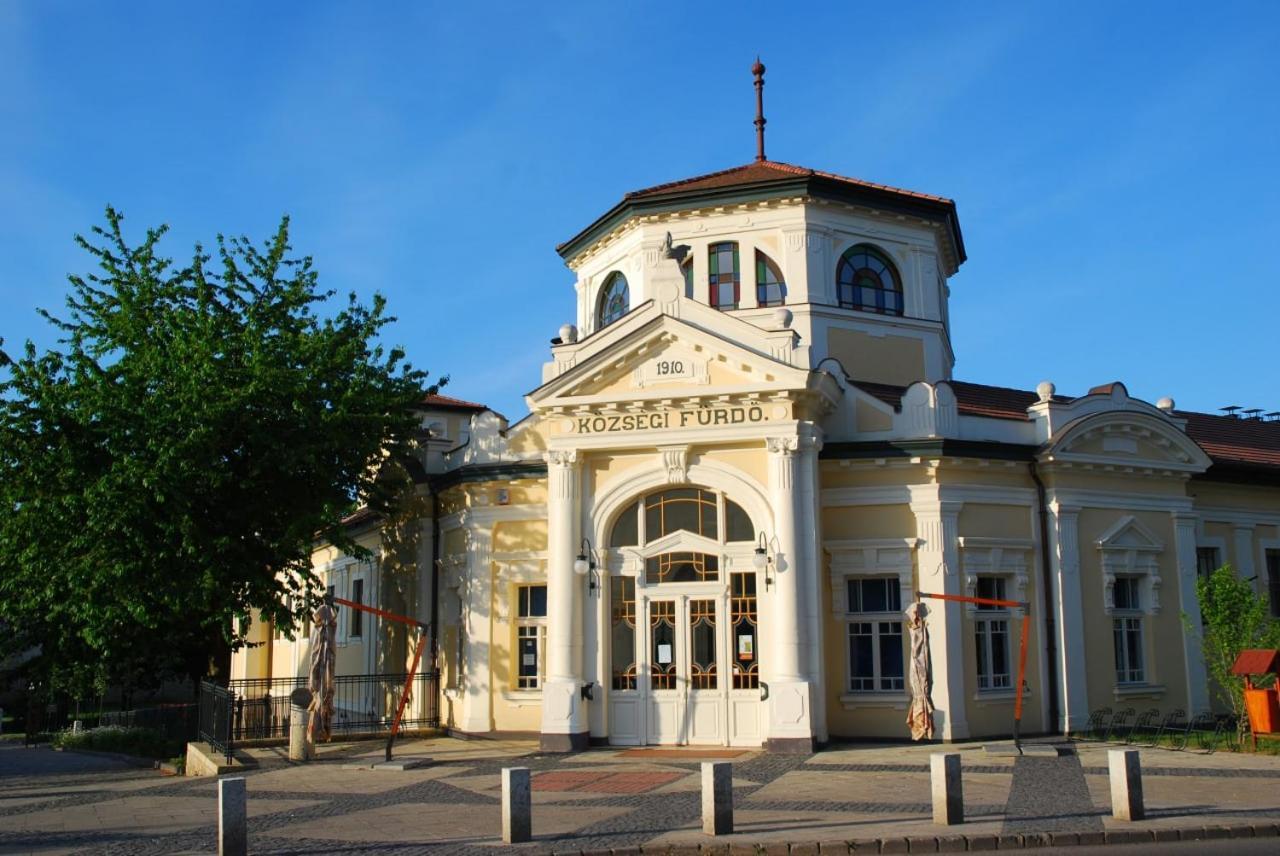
1128	548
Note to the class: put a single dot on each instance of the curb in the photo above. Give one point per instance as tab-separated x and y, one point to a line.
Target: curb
131	760
950	843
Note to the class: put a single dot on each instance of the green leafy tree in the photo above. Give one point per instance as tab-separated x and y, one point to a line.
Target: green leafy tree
166	469
1234	619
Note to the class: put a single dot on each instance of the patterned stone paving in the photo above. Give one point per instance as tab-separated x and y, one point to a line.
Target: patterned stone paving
57	802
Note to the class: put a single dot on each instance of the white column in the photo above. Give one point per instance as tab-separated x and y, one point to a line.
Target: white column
1184	525
1243	565
810	532
477	699
790	703
1064	544
938	557
564	725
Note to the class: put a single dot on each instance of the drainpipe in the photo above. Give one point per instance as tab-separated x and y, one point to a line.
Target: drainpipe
1051	645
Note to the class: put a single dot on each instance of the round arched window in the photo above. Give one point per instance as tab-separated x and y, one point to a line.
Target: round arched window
867	280
615	300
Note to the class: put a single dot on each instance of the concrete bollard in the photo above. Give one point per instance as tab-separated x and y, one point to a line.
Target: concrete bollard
717	798
77	726
1126	784
298	734
233	823
517	809
948	794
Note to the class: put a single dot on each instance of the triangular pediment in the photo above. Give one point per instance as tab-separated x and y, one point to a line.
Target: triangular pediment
668	358
1128	533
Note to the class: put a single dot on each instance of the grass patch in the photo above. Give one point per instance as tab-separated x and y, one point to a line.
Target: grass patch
142	742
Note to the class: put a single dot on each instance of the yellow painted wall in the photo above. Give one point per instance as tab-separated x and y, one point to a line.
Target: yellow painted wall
868	521
981	520
889	359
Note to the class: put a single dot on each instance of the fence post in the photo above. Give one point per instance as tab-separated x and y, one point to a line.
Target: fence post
717	798
948	794
1126	784
233	825
517	809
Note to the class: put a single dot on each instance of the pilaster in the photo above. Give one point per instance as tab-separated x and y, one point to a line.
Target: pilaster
810	534
564	723
1243	565
1068	599
938	557
477	704
1197	680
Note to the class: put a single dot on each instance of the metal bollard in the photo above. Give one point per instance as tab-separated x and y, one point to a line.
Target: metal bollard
233	823
517	809
948	793
1126	784
717	798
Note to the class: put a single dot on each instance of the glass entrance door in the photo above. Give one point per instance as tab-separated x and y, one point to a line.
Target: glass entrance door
687	693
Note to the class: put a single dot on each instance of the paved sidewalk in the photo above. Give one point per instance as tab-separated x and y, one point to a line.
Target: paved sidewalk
613	798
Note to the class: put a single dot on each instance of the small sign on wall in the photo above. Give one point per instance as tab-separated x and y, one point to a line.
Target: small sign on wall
746	647
664	654
672	365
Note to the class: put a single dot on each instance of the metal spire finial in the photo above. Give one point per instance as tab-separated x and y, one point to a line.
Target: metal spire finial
758	71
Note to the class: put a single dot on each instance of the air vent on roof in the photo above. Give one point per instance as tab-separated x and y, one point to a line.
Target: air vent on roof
1230	410
1273	416
1252	413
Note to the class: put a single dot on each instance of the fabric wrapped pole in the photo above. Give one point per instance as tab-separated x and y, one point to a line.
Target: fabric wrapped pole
324	655
920	714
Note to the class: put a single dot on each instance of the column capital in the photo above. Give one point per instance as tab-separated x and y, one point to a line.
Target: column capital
1184	518
1243	527
561	458
785	446
1062	509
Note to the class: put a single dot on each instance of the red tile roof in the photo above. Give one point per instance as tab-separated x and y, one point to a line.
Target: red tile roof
452	403
762	171
1225	439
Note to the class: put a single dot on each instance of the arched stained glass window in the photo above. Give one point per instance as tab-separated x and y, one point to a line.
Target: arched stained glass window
867	280
615	300
722	264
681	509
770	288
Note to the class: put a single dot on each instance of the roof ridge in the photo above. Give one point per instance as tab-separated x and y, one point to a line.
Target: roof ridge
691	179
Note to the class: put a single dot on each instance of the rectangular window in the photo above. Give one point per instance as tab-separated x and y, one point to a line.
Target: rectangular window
1273	581
991	636
875	634
723	275
357	617
531	635
1207	561
1127	631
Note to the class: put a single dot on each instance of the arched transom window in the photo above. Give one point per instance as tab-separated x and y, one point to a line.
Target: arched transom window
681	509
615	300
867	280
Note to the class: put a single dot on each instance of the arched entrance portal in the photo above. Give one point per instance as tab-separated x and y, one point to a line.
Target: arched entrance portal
682	620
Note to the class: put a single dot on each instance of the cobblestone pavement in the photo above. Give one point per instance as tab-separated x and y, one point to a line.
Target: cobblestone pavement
54	802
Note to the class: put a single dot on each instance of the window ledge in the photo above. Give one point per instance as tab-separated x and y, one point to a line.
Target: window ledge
999	696
854	701
1139	690
522	698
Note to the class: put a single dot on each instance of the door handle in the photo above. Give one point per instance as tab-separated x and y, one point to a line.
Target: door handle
764	691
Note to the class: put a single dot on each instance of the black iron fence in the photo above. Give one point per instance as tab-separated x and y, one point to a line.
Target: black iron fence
215	717
364	705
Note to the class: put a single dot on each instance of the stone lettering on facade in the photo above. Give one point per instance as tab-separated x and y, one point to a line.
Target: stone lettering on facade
666	419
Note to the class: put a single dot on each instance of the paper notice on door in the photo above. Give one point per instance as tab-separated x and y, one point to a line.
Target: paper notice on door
664	654
746	647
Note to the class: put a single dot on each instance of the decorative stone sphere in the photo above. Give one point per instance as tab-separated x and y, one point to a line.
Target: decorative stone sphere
782	317
1045	389
1165	404
568	333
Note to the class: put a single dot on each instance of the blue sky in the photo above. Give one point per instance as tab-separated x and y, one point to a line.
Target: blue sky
1114	165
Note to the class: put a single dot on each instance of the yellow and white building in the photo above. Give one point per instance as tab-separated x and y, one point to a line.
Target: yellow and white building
746	457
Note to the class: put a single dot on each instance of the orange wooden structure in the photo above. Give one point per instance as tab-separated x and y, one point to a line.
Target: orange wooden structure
1261	705
413	670
1025	606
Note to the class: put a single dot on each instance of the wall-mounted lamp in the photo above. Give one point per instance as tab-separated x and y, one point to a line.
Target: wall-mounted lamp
585	566
588	693
762	561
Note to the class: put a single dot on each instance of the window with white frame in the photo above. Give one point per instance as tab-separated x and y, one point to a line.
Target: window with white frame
1127	629
531	635
874	622
991	636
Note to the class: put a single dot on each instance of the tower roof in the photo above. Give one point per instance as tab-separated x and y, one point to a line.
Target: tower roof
766	179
